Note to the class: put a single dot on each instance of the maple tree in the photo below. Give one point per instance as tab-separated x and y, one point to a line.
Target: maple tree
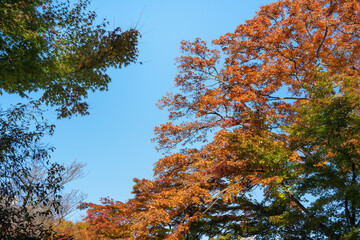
279	99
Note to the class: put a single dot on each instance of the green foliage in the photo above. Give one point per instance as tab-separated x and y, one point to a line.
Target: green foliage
58	49
327	134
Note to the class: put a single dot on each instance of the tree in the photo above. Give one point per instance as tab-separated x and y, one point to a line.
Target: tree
280	96
35	211
50	47
24	199
56	210
69	200
54	50
72	199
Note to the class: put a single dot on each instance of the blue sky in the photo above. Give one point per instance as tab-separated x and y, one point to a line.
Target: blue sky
114	140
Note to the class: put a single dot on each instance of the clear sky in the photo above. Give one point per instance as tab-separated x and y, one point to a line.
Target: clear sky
114	140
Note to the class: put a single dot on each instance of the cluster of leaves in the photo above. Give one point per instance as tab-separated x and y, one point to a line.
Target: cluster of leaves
56	49
281	97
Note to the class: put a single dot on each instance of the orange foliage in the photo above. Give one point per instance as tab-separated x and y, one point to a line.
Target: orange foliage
245	88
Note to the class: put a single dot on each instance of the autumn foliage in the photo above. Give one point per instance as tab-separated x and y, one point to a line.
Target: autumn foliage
263	134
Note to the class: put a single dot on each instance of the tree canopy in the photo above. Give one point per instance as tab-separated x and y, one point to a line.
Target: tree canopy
59	50
262	138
